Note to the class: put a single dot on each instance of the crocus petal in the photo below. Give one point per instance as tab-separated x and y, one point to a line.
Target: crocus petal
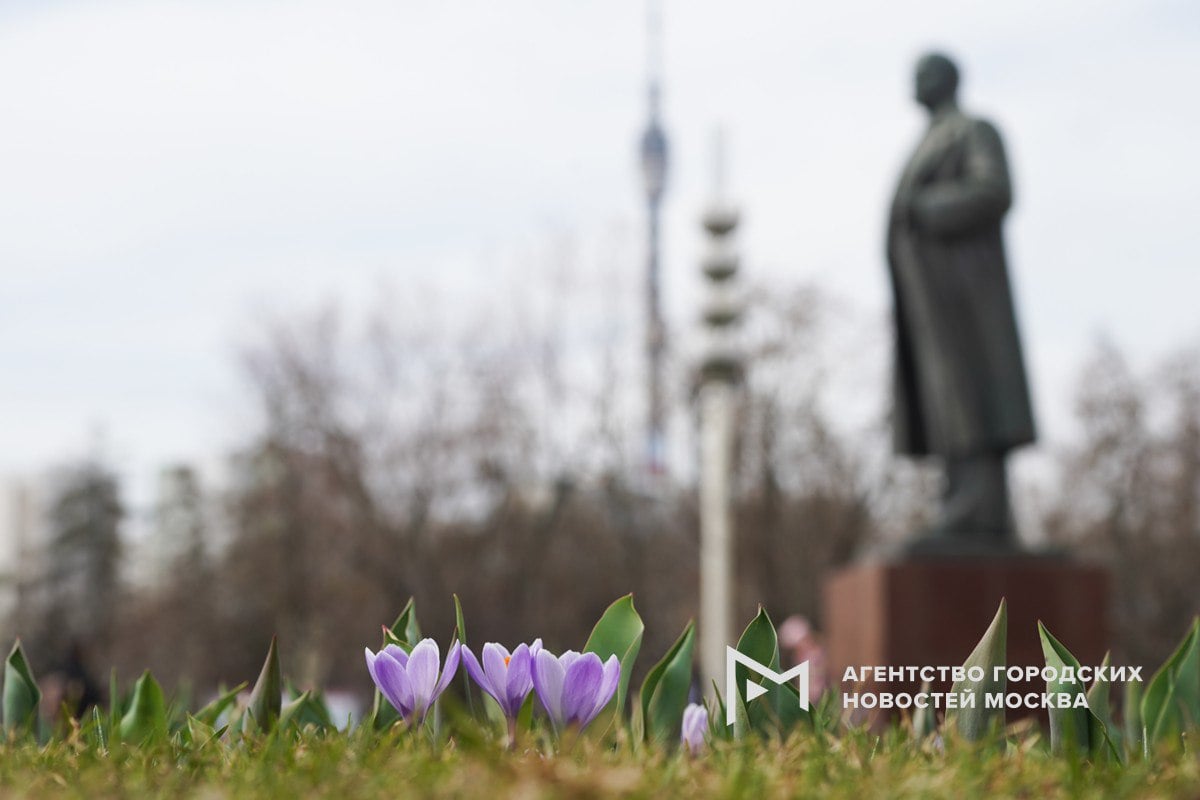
580	683
371	658
370	661
423	663
537	645
520	680
694	726
688	721
448	670
475	670
608	687
496	670
396	652
548	683
567	659
393	682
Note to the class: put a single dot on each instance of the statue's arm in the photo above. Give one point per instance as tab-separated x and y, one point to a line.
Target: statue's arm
980	196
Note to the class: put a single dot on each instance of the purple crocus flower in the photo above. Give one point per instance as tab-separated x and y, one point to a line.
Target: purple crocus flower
695	727
410	681
574	687
508	678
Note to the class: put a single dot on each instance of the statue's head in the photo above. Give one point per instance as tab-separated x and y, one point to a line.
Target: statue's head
937	80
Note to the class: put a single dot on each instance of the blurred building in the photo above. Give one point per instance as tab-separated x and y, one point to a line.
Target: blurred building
24	533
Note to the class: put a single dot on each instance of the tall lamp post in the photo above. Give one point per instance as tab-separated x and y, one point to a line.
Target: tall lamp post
720	372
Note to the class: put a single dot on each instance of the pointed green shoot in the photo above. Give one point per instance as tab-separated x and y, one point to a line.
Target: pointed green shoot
22	697
405	631
1104	736
717	728
1133	718
779	710
1171	701
975	722
266	698
460	624
664	693
1068	726
146	718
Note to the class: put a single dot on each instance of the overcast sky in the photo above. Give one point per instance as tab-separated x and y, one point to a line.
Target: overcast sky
169	171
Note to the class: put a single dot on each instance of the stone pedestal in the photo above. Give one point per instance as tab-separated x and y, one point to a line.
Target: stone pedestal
932	612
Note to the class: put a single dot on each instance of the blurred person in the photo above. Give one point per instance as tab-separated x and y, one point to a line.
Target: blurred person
798	640
70	685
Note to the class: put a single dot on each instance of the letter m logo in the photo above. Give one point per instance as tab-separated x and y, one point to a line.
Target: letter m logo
754	690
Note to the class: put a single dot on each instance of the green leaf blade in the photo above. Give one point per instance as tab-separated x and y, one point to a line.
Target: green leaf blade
1166	699
22	697
266	698
664	693
976	721
618	632
779	710
1069	727
146	718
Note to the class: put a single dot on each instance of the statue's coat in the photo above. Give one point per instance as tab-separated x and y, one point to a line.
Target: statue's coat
960	382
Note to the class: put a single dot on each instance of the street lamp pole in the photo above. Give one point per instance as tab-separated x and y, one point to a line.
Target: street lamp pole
721	368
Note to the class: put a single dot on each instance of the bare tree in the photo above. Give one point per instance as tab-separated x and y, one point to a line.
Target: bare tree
1128	494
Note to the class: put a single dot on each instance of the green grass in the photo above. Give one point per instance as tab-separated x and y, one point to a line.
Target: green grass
393	765
267	747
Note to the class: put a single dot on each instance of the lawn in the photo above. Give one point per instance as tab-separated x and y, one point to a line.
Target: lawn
394	764
529	723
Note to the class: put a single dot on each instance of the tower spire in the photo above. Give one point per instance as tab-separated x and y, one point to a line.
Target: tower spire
653	53
654	174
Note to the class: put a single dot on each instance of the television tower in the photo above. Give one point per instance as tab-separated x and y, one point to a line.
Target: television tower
654	176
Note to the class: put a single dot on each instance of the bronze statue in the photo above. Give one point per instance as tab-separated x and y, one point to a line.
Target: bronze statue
960	387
